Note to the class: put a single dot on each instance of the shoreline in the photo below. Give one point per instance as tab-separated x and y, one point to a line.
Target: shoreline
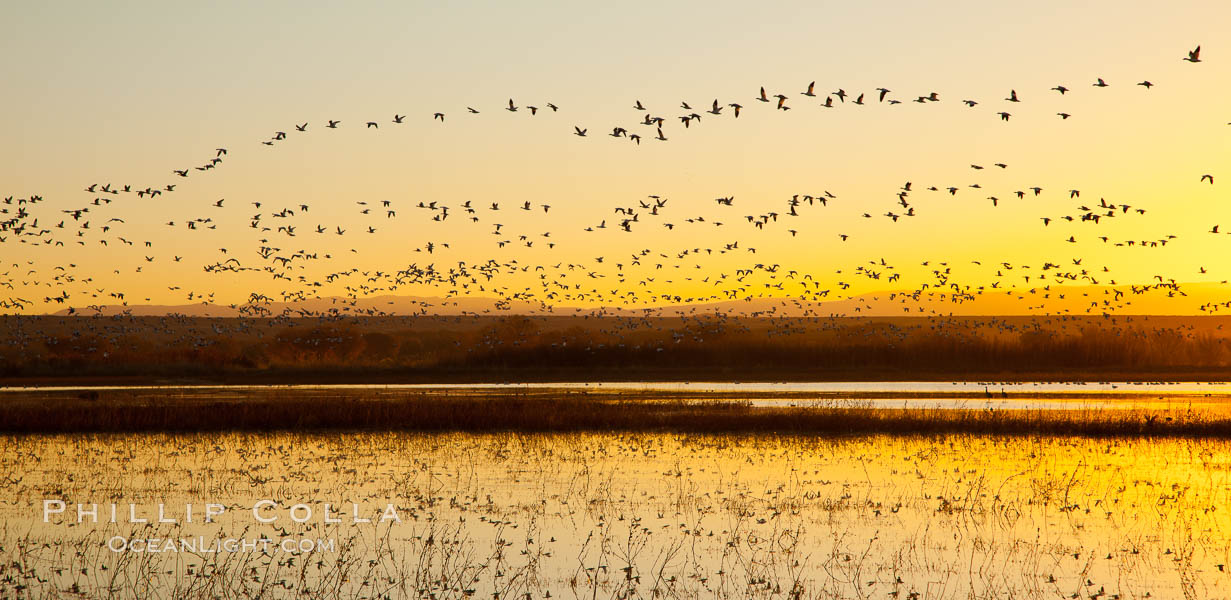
126	411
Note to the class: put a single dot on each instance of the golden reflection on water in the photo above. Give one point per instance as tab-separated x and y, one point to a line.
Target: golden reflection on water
625	515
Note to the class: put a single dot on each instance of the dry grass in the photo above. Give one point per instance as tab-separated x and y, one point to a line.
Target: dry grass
435	349
553	411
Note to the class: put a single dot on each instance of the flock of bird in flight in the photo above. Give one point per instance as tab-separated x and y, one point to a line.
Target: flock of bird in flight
283	249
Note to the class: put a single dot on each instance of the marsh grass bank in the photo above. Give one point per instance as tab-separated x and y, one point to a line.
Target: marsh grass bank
273	409
89	350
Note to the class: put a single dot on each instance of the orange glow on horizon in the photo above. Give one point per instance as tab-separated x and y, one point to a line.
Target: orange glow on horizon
1142	228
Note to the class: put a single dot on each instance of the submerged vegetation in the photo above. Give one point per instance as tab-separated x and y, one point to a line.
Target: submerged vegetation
586	516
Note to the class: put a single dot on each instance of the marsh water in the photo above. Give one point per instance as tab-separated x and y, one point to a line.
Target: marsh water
940	395
615	516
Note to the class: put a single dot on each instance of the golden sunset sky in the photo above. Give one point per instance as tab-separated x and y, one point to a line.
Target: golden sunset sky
125	93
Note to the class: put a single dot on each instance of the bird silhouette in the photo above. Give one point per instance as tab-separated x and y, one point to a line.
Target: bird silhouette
802	216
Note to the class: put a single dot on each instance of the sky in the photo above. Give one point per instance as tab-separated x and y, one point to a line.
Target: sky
124	93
